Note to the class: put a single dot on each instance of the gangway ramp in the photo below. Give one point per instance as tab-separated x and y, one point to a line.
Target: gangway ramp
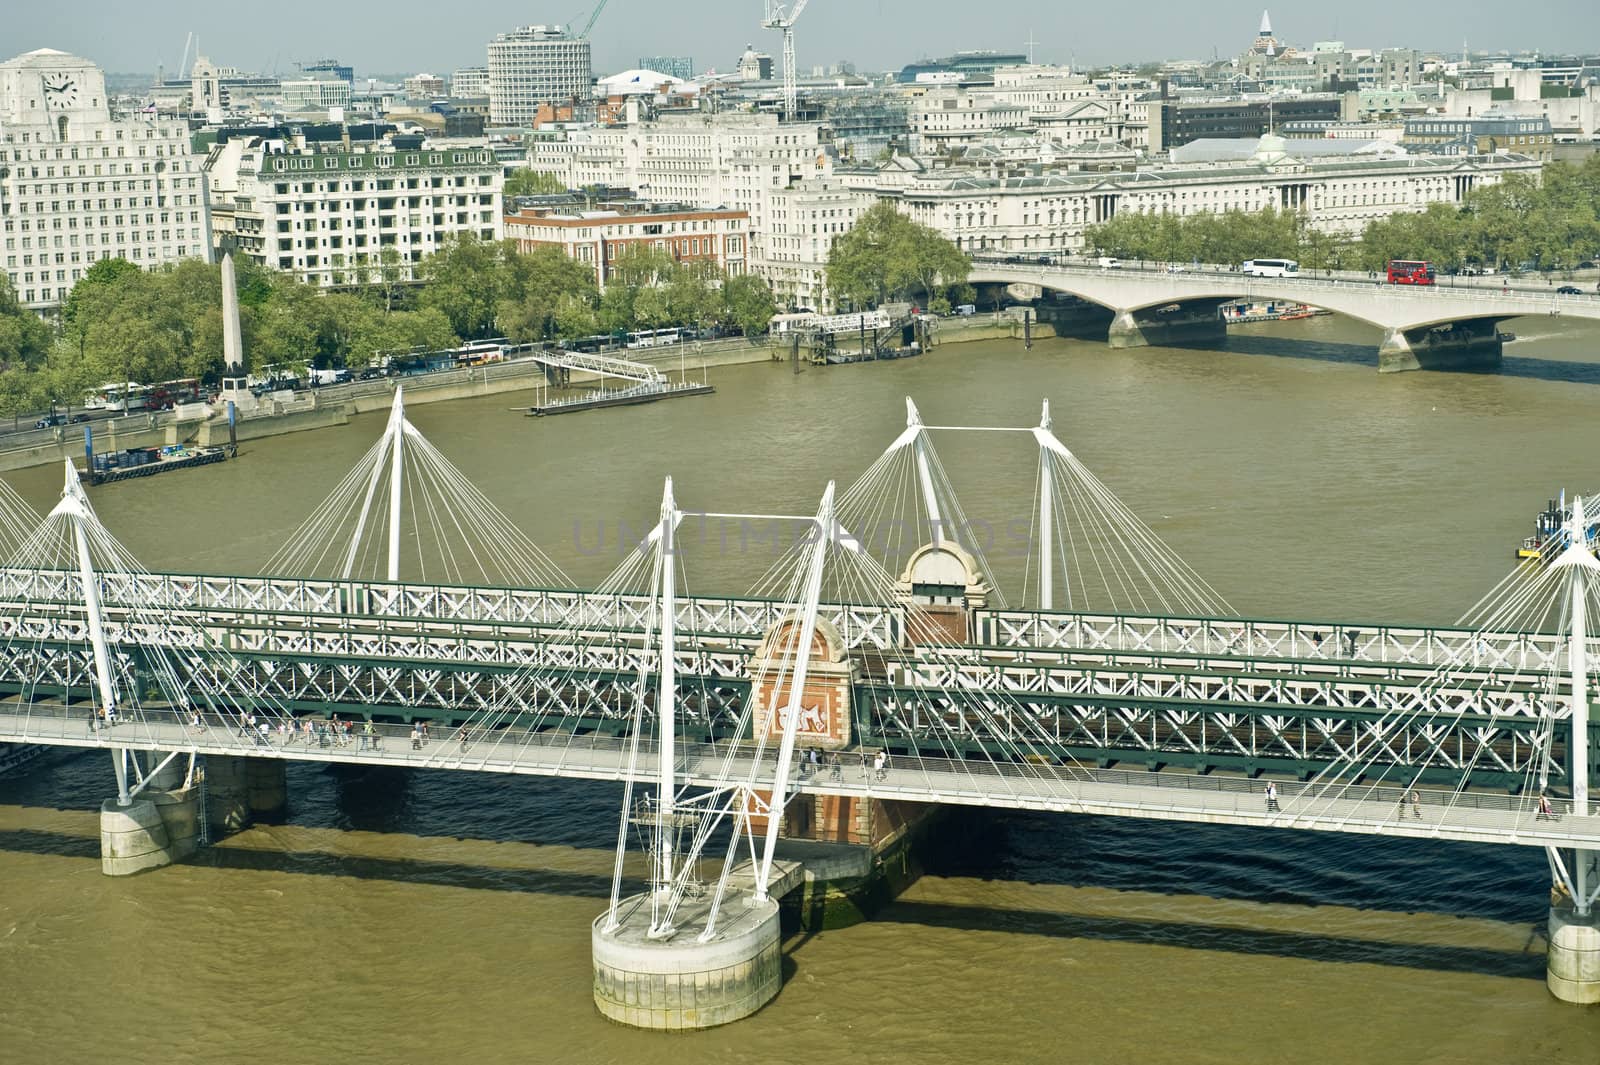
565	362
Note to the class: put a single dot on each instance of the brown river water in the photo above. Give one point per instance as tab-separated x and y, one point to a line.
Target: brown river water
438	917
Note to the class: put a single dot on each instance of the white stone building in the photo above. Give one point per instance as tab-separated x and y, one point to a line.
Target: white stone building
324	214
1068	106
470	82
733	159
1340	186
315	92
805	219
423	86
77	186
535	65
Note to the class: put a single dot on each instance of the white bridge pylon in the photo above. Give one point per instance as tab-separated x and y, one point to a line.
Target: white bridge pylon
801	684
404	506
81	635
681	823
1086	549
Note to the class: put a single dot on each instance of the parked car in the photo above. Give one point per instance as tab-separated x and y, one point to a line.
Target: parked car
1569	290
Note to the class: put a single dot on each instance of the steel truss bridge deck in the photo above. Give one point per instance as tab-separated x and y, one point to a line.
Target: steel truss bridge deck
1363	810
1201	693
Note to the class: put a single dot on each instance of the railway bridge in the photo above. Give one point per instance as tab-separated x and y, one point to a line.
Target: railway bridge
836	704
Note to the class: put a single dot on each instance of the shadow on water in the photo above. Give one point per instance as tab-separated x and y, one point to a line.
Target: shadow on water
1192	935
1523	366
1229	939
1253	865
321	863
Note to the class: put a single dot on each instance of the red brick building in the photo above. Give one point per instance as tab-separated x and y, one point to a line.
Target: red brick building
716	235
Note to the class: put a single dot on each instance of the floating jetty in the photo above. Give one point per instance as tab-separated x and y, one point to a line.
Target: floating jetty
619	397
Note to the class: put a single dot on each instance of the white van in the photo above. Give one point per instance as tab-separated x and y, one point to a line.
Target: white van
1270	268
1108	263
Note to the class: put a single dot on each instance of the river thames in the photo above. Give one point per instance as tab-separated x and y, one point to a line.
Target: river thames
437	917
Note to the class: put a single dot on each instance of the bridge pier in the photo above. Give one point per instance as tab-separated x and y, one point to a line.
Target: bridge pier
1172	324
682	982
1572	960
158	826
1473	344
241	790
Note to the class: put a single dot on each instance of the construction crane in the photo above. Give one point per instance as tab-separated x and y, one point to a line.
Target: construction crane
593	18
782	17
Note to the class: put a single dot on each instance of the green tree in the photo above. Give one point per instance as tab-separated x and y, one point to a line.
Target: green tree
526	181
747	303
547	278
468	280
886	254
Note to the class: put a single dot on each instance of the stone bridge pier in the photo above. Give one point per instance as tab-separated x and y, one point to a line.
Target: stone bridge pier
1169	325
1464	344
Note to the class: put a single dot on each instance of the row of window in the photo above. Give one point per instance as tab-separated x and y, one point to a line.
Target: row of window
150	133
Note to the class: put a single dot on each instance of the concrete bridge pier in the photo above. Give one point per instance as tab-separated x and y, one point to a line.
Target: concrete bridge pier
242	790
1168	325
682	981
157	826
1470	344
1572	960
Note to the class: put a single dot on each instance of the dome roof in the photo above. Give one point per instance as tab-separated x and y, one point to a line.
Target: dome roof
41	58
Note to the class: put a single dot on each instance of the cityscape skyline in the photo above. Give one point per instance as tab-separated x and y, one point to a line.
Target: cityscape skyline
826	34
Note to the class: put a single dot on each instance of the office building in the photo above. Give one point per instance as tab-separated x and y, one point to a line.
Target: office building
77	185
714	235
324	212
535	65
676	66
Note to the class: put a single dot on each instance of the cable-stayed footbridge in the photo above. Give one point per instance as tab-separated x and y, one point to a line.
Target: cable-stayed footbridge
1121	685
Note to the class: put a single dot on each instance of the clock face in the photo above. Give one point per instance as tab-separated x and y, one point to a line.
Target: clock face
60	91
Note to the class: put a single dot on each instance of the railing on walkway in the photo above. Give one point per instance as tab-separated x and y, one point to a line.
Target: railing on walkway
1375	808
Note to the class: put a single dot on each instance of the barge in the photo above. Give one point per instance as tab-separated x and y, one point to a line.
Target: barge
148	461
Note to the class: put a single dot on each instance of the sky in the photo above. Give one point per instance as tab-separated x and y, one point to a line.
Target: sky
410	36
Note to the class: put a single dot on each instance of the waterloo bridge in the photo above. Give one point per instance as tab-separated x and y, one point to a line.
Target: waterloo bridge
1430	327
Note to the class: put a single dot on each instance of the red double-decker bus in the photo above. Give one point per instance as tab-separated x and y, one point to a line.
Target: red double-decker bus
1410	272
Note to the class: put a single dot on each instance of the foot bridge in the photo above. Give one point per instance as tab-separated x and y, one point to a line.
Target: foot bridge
1429	327
874	673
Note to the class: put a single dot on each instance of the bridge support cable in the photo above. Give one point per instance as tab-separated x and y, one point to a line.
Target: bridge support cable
18	520
905	499
1129	567
1471	693
85	630
797	686
1090	546
435	523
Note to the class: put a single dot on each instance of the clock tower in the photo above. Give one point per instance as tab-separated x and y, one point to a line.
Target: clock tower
41	88
79	185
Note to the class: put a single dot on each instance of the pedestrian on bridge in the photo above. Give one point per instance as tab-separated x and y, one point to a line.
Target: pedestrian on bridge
1272	797
1416	803
880	765
416	738
369	738
1546	813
